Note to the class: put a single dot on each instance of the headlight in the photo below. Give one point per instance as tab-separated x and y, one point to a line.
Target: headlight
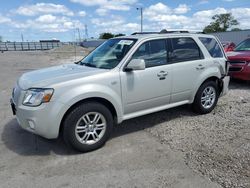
37	96
248	64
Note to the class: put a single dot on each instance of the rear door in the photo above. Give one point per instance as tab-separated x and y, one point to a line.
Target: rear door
218	57
187	66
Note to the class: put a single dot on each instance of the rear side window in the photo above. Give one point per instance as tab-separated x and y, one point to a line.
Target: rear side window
212	46
184	49
153	52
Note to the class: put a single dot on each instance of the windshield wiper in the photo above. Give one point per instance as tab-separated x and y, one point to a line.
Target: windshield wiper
89	65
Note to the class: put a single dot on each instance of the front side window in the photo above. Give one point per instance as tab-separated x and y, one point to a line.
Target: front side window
153	52
109	54
212	46
184	49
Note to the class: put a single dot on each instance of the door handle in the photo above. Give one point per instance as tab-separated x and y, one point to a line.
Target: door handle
162	74
200	67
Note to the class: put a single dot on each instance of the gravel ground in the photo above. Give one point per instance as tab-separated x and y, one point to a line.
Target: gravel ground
172	148
217	145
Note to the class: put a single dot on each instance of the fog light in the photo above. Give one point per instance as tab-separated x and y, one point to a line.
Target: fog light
31	124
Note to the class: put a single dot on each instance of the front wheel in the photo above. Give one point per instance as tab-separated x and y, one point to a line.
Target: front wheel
206	98
88	126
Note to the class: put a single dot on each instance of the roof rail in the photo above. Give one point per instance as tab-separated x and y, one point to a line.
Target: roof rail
175	31
164	31
144	33
180	31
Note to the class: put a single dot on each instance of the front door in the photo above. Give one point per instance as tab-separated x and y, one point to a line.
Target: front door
149	88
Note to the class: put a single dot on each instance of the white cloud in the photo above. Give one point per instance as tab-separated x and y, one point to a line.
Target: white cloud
114	25
105	5
82	13
210	13
104	2
4	19
202	2
49	23
157	9
116	6
240	13
160	16
101	11
182	9
48	18
43	8
164	17
90	2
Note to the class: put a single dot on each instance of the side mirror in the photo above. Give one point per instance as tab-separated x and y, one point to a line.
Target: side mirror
135	64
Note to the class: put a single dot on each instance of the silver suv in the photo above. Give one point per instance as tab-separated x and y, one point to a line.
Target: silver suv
125	77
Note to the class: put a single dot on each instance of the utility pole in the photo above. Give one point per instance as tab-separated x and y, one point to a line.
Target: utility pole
22	37
141	10
86	31
79	36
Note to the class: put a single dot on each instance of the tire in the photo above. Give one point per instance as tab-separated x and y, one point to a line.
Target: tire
201	102
88	126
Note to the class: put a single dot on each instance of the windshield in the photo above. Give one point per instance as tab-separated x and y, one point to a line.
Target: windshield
109	54
243	46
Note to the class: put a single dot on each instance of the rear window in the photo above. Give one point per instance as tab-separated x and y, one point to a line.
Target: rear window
184	49
212	46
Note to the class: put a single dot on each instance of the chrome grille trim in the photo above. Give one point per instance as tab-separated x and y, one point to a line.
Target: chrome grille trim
235	69
237	62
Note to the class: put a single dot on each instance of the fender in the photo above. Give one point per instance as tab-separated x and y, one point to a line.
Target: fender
79	93
209	73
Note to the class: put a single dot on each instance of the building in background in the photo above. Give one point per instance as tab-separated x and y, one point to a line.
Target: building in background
92	43
233	36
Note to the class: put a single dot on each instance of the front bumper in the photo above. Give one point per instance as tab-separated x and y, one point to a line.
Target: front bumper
43	120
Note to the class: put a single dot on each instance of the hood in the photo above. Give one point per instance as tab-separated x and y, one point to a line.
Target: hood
47	76
239	55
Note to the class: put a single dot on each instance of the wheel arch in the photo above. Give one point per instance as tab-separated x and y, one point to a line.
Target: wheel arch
100	100
215	79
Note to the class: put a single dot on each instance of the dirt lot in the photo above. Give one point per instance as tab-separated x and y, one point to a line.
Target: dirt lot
172	148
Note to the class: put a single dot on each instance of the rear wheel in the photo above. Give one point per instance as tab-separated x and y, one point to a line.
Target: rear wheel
206	98
88	126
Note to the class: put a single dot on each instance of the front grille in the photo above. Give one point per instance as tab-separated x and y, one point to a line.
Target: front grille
237	62
235	69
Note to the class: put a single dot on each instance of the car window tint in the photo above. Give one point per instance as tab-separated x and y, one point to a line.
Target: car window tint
212	46
184	49
153	52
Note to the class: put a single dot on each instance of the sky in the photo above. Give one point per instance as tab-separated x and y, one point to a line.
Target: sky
66	20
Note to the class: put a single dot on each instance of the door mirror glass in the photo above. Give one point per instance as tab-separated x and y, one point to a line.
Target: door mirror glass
136	64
